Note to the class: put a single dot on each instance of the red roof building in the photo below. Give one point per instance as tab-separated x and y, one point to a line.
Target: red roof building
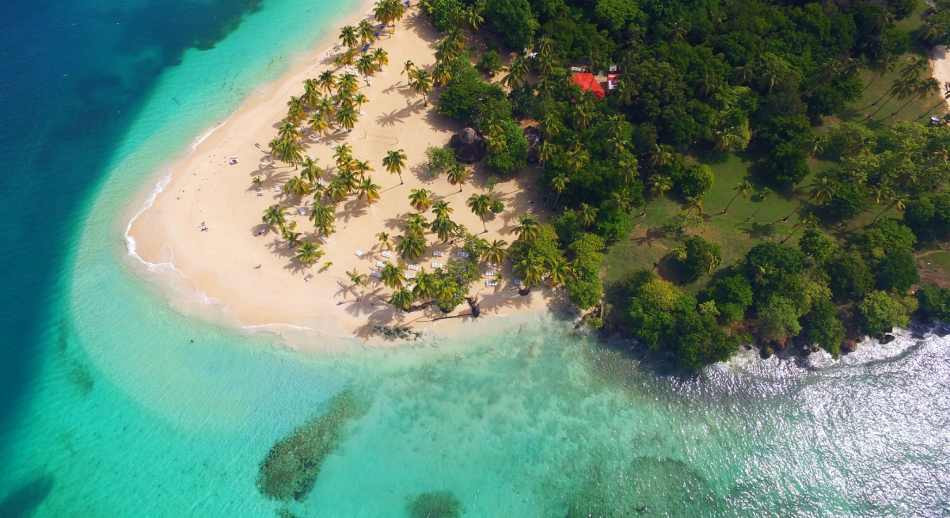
588	83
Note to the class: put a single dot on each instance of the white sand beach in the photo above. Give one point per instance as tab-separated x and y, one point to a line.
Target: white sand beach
253	276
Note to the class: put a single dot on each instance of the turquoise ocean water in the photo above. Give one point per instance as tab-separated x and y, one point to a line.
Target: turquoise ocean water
116	405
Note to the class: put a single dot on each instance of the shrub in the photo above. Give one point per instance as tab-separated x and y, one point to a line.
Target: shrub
849	277
489	63
513	21
880	312
934	303
821	326
897	271
697	257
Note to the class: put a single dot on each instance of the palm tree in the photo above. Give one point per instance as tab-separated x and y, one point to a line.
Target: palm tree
531	269
587	214
326	107
368	190
381	58
402	299
496	251
411	245
296	110
343	154
922	89
287	150
558	271
481	207
441	209
366	65
473	17
383	239
903	87
274	217
444	227
441	73
347	178
528	228
559	185
382	11
420	199
392	276
897	200
346	117
416	223
349	36
311	95
577	157
357	279
347	85
362	168
517	72
308	254
366	32
345	58
288	131
319	123
660	184
290	235
388	12
743	188
323	217
327	81
458	175
425	285
408	68
337	190
944	100
421	82
297	186
394	162
821	190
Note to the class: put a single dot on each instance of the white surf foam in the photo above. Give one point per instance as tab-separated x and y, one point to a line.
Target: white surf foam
204	136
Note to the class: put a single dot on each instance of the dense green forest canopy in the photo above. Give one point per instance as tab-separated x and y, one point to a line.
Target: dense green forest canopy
698	80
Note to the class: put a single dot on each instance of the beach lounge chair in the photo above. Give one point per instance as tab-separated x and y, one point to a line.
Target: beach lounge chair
410	275
462	254
437	253
490	273
491	283
387	254
302	211
436	265
413	267
380	265
359	253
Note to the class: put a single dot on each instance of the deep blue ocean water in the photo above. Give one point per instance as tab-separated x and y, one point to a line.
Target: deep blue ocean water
114	404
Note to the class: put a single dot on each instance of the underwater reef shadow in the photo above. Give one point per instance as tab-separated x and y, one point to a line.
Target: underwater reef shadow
435	504
24	500
293	464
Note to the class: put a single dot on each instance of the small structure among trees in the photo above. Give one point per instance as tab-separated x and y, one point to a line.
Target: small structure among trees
468	145
588	82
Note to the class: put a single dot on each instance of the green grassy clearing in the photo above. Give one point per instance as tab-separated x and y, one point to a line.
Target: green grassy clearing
748	221
878	84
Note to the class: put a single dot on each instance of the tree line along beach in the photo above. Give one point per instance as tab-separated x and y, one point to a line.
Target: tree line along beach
773	211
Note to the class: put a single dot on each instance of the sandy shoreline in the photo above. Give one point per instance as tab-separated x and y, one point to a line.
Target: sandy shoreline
940	65
251	280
